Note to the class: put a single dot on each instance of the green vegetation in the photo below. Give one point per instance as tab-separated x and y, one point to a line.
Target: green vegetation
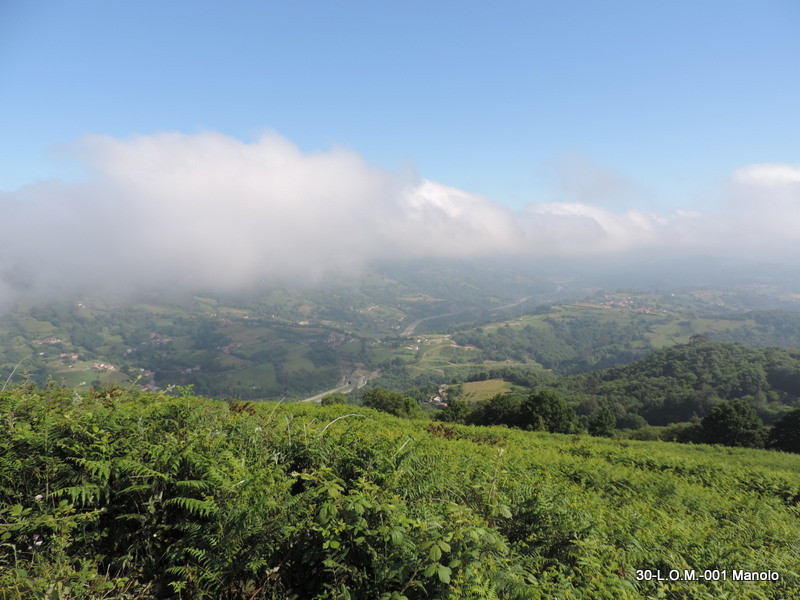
540	411
476	391
333	399
393	403
785	435
565	340
733	423
686	381
576	338
294	343
700	392
135	495
221	350
603	423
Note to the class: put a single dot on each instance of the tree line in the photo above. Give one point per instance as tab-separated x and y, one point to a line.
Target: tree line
700	392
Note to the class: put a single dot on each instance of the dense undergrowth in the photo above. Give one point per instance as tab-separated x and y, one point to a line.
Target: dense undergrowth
134	495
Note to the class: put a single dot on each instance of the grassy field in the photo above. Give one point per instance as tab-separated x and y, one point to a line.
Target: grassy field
475	391
680	330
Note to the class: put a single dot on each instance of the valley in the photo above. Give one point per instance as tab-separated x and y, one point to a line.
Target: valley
402	328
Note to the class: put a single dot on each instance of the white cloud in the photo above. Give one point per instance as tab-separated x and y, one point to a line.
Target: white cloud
211	210
766	174
576	179
762	209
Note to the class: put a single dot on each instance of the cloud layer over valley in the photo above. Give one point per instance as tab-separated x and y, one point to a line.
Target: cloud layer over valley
211	210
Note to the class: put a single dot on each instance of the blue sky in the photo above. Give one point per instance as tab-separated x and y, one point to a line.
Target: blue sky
488	97
560	127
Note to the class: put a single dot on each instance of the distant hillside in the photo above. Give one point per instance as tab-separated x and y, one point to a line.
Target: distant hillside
613	329
761	329
683	381
424	323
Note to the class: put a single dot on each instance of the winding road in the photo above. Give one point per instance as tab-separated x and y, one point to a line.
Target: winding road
361	381
408	331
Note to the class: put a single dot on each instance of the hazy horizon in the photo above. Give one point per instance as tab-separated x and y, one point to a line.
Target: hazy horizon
201	146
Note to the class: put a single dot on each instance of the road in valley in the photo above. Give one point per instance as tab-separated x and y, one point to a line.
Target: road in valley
360	381
409	331
319	397
513	304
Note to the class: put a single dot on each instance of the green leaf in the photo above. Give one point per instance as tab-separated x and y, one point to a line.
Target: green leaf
435	554
444	574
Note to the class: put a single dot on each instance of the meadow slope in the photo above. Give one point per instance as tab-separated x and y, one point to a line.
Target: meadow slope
122	494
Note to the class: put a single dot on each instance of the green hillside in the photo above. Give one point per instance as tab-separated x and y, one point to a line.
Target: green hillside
416	328
679	382
620	328
138	495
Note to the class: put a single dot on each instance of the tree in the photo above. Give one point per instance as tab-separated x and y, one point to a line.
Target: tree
501	409
733	423
547	411
333	399
603	422
631	421
456	411
393	403
785	435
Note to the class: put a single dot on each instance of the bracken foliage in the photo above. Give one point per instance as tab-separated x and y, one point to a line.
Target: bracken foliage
132	495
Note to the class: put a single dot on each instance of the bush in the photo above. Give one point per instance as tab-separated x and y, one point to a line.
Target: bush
733	423
785	435
393	403
333	399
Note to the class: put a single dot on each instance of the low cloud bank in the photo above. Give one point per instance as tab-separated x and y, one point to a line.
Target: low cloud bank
209	210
